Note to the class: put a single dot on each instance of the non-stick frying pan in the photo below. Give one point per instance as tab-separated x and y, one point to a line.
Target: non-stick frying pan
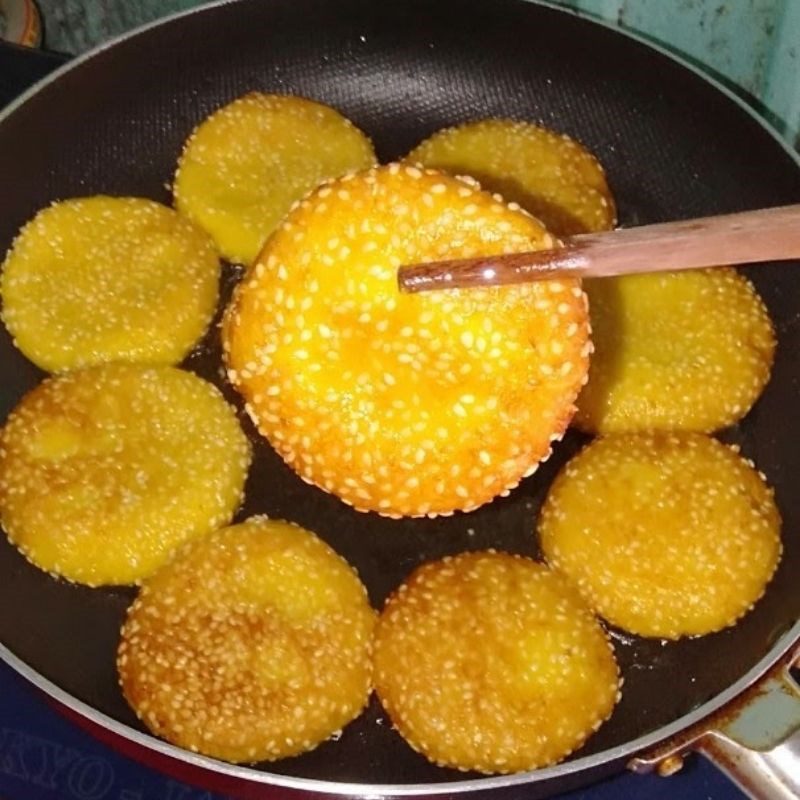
674	146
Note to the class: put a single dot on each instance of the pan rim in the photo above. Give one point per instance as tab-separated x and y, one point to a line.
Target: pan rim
619	753
77	60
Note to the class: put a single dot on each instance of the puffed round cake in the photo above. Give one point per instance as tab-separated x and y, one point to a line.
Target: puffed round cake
99	279
689	350
254	644
492	662
407	405
548	173
243	166
105	472
665	534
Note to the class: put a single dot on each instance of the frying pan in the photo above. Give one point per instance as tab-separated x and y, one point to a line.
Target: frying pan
674	146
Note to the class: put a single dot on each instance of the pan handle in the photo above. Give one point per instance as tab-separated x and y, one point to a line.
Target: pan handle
755	740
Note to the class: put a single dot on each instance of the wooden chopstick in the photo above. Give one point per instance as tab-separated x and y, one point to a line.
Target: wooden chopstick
771	234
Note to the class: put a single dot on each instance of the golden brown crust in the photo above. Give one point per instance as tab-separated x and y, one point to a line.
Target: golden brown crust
665	535
99	279
104	472
488	661
405	405
688	350
549	174
254	644
243	167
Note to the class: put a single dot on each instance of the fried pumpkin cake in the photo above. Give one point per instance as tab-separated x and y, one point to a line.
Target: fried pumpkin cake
549	174
254	644
686	350
492	662
99	279
104	472
407	405
665	534
243	167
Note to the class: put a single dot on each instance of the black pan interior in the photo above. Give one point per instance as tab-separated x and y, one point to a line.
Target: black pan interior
673	146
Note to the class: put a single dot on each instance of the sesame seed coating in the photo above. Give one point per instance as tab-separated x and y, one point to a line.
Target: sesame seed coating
665	534
491	662
99	279
254	644
404	404
687	350
549	174
244	166
104	472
